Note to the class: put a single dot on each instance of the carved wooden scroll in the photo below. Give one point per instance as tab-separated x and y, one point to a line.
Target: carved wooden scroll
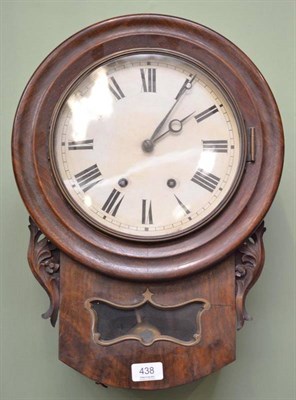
44	260
249	263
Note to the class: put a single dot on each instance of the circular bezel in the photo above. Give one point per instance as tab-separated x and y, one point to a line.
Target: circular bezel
215	81
119	257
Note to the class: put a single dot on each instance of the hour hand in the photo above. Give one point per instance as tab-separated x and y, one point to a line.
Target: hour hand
175	126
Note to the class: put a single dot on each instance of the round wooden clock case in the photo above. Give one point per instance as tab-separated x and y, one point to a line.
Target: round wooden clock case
89	263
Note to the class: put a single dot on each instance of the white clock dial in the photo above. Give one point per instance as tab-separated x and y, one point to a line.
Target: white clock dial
147	146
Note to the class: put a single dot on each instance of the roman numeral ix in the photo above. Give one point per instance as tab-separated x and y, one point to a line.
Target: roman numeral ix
81	145
148	77
206	113
115	89
205	180
147	218
87	178
217	146
113	202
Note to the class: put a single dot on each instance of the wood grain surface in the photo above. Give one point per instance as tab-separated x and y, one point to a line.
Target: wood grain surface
111	365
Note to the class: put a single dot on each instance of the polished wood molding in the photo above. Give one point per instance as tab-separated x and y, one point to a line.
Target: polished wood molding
174	258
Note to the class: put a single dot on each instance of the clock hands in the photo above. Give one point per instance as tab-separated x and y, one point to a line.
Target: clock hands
148	144
175	126
186	86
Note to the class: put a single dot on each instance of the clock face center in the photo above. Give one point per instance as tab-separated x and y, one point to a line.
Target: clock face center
147	146
133	124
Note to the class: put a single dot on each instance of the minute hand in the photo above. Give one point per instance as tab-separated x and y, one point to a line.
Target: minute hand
180	123
179	96
158	128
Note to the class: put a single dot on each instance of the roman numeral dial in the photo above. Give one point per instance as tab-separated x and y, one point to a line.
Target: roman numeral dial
147	147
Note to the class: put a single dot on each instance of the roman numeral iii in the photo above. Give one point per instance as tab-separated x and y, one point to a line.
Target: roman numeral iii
205	180
113	202
216	146
115	88
88	178
147	218
81	145
148	77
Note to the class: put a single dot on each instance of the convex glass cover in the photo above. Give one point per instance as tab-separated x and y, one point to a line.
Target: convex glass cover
147	146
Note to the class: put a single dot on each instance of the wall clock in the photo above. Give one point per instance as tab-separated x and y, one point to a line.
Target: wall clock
147	149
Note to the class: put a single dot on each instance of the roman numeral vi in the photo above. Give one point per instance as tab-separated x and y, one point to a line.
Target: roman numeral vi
147	218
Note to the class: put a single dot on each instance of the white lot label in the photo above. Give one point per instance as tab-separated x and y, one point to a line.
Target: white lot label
147	372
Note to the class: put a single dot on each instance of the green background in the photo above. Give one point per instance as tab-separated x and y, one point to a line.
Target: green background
265	366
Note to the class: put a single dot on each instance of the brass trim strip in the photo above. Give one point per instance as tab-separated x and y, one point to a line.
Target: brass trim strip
147	298
251	145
